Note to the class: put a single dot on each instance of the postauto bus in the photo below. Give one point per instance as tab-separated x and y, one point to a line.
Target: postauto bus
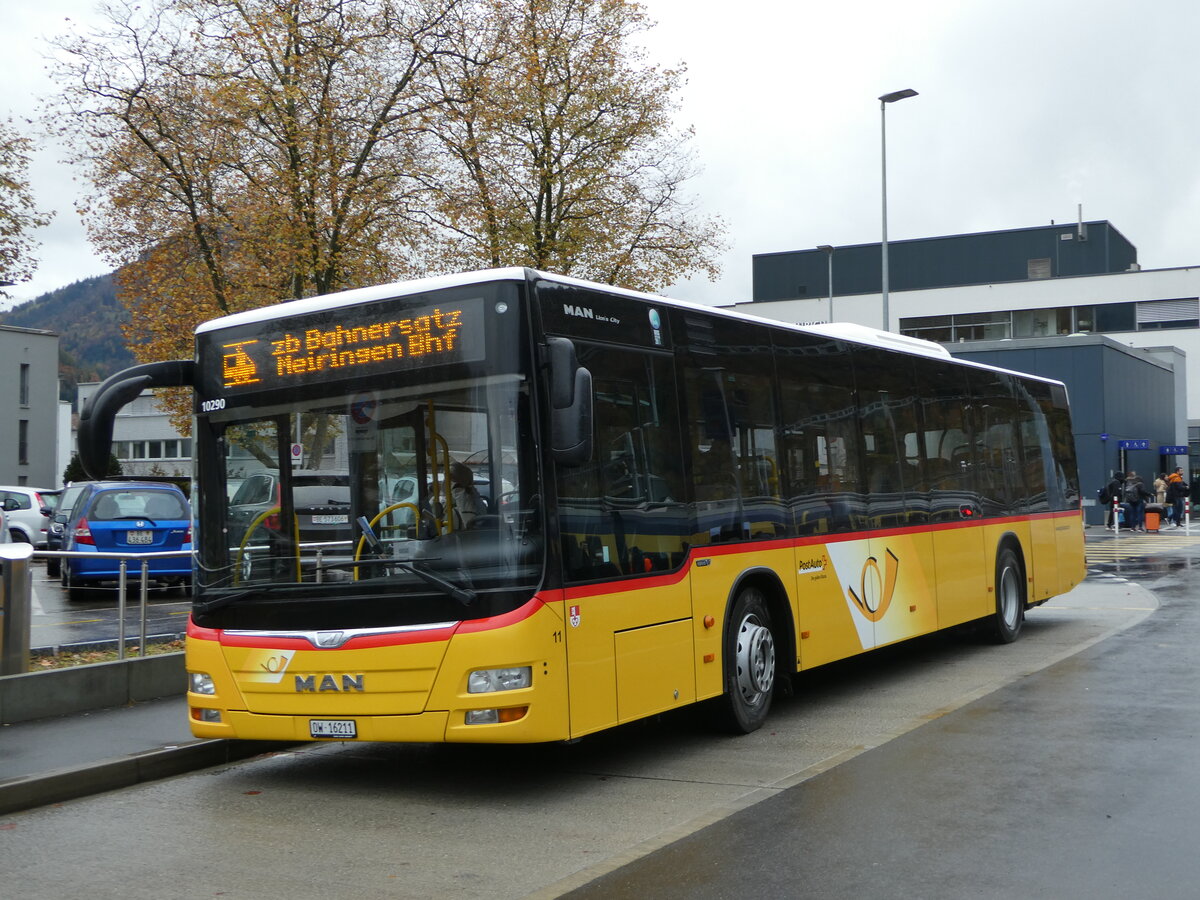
677	504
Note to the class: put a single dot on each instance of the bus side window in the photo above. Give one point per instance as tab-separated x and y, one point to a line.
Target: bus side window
946	439
622	513
997	454
820	434
888	416
732	422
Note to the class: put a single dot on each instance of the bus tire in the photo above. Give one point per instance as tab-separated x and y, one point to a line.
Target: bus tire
1005	623
749	664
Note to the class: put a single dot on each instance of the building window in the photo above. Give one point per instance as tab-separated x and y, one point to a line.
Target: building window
169	448
1103	318
24	384
988	326
23	442
1158	314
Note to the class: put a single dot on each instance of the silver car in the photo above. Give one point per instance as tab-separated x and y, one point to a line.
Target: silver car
27	511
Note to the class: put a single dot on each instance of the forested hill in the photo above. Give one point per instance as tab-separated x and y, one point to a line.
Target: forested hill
88	319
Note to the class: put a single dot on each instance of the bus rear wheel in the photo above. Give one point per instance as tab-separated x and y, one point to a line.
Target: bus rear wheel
1005	624
749	664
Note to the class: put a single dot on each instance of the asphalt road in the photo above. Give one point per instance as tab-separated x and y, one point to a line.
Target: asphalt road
1078	780
943	767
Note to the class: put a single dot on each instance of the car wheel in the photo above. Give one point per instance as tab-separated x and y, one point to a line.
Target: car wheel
53	567
75	590
1005	623
749	664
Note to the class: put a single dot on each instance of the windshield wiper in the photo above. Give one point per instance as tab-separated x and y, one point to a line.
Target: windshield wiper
463	596
222	602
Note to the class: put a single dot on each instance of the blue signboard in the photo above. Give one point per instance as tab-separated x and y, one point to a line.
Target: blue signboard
1173	450
1134	445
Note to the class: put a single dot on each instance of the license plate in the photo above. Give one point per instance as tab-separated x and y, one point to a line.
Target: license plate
332	728
331	520
139	537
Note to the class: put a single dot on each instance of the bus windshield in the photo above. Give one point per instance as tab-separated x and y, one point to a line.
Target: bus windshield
370	508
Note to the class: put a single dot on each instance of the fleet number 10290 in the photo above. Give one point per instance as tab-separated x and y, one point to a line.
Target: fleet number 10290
212	405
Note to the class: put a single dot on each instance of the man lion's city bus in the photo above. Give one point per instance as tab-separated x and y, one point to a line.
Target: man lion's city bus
669	504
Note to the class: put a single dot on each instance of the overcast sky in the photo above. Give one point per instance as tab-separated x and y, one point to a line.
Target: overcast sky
1026	110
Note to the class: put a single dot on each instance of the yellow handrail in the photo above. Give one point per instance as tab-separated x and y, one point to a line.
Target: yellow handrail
259	519
362	541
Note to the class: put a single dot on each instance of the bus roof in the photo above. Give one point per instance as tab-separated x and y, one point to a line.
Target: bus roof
846	331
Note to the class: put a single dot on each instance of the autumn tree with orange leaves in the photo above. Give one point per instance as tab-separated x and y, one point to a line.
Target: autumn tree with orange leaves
245	152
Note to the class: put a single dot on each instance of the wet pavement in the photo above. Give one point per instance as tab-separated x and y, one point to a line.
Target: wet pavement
1076	781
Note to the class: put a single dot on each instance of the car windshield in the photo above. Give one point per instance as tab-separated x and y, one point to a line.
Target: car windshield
368	498
67	501
109	506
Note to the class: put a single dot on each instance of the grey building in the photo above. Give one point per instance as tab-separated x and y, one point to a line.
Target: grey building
990	257
29	407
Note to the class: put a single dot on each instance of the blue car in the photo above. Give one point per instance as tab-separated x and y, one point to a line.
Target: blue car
126	517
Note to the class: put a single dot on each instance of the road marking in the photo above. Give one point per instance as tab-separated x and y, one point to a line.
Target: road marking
67	622
1135	546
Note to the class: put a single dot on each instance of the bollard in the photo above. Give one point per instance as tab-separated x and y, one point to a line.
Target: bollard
1116	517
16	601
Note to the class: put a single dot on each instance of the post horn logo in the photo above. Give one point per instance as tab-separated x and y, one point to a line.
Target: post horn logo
875	589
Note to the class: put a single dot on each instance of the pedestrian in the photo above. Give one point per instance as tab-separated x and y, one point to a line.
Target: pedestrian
1160	488
1133	498
1177	492
1110	492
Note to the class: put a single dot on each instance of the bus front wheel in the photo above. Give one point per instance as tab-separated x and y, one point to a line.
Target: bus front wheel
1005	624
749	664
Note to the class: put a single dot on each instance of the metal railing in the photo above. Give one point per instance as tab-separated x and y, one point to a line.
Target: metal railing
145	576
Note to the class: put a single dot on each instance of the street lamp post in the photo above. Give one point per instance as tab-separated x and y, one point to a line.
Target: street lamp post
883	102
828	251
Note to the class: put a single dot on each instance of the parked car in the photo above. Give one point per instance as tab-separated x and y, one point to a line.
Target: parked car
125	517
58	523
321	500
27	513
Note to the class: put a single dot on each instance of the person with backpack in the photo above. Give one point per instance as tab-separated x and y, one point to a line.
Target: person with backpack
1177	492
1108	493
1133	497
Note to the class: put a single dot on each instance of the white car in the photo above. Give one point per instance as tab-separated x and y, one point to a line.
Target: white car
26	513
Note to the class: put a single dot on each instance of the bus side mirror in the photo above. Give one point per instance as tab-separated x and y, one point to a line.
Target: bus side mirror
570	405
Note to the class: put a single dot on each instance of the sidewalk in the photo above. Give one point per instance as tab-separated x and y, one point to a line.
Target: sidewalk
51	760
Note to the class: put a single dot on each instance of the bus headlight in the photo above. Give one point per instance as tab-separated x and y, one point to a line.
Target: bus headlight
201	683
485	681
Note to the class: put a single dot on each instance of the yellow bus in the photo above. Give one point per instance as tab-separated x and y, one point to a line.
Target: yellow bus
510	506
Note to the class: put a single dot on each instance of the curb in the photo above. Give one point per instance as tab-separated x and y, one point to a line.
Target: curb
30	791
